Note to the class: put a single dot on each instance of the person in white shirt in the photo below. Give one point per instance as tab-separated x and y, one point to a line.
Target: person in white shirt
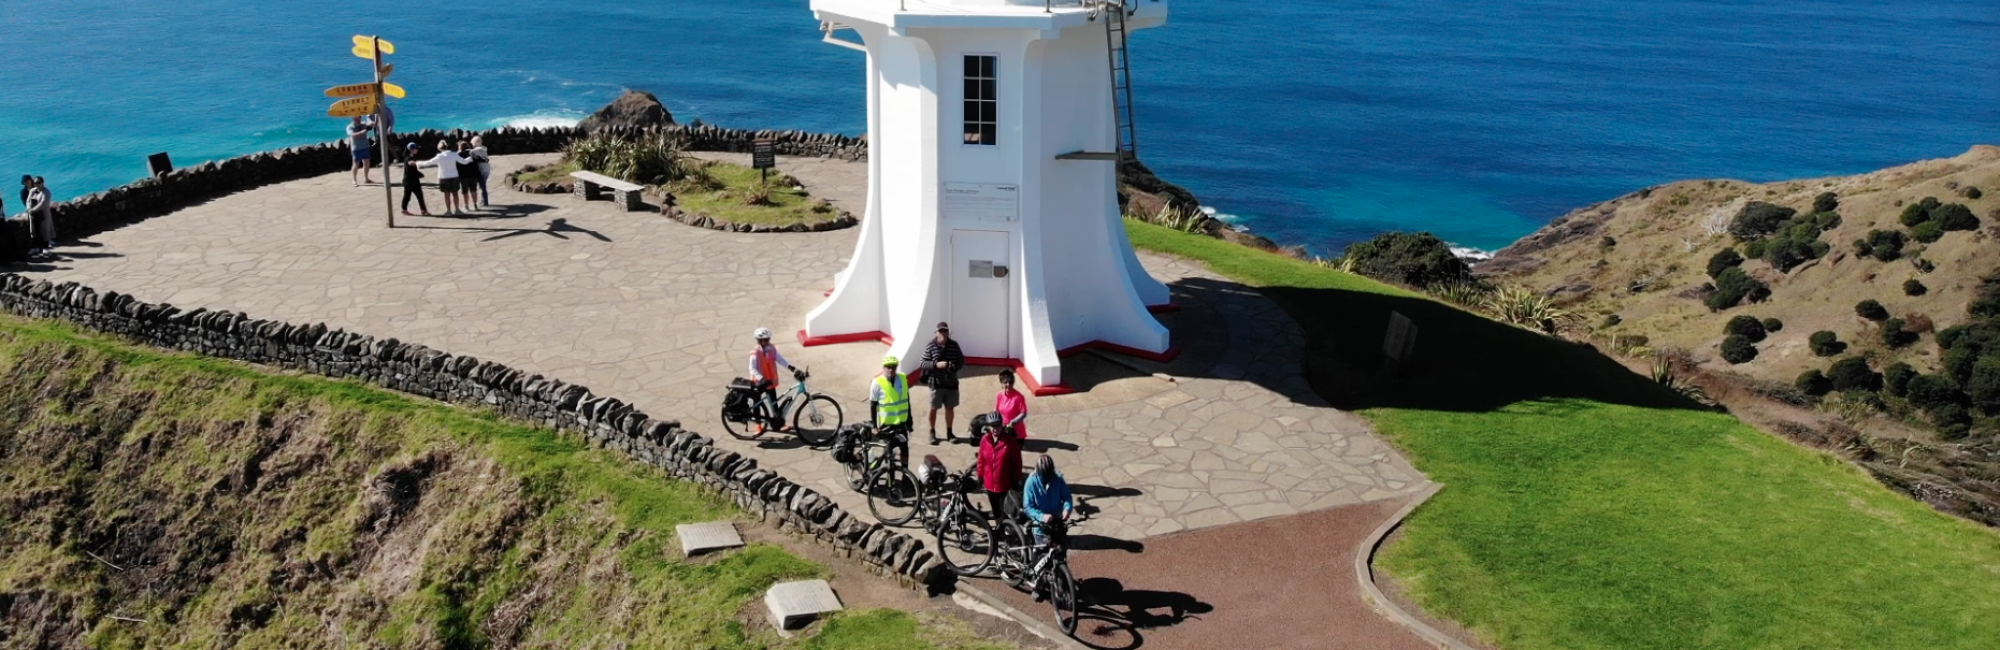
480	156
41	218
447	162
357	139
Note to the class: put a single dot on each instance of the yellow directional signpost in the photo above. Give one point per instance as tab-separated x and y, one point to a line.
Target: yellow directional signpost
371	99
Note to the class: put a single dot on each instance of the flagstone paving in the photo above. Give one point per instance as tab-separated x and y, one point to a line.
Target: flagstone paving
637	306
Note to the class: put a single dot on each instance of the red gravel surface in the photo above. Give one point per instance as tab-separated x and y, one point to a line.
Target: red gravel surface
1281	583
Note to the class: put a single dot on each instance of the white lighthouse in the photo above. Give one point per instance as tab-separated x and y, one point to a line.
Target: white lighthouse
992	194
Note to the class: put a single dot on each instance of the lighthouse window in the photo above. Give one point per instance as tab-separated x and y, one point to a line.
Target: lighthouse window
982	103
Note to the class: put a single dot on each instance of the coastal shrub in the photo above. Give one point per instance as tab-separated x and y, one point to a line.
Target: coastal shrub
1931	392
1893	334
1470	294
1986	299
1825	202
1746	326
1953	421
1612	320
1813	382
1527	308
1607	242
1723	259
1896	378
1737	349
1755	248
1983	388
1773	324
1412	259
1853	374
1884	245
1948	337
1927	232
1871	310
1923	265
1973	193
1786	253
1824	221
1732	286
1912	287
1758	219
1919	212
1955	216
1825	344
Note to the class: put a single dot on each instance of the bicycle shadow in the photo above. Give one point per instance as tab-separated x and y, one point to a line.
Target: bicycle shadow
1110	616
1087	495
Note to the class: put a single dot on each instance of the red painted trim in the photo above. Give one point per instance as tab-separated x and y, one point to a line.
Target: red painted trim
1035	386
829	293
810	341
1168	308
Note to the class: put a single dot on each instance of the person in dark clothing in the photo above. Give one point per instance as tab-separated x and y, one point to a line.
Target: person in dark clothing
468	177
413	181
941	363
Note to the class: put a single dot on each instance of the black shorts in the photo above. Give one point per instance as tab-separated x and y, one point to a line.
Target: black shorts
447	185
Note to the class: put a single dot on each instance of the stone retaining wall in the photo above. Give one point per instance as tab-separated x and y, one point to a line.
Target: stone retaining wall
604	421
158	195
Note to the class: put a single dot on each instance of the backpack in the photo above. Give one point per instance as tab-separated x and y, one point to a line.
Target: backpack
847	443
736	404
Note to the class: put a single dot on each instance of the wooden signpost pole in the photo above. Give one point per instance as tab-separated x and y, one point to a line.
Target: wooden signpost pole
382	128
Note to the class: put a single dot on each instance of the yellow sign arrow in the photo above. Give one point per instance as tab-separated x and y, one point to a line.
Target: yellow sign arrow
351	90
370	41
392	90
365	52
352	107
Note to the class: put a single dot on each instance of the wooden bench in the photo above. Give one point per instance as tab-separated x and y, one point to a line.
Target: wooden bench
591	186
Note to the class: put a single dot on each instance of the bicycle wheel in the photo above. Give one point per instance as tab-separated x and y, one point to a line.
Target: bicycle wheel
893	495
745	430
853	473
1015	547
1062	595
965	541
817	420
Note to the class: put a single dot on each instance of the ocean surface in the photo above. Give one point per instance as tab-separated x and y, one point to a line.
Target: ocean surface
1315	123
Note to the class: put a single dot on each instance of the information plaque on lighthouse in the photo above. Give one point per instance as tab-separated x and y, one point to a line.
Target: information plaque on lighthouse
992	193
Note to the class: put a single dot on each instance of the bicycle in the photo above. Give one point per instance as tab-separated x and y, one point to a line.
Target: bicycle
747	416
965	540
1041	568
872	463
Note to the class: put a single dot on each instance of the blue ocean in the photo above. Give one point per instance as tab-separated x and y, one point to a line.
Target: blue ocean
1314	123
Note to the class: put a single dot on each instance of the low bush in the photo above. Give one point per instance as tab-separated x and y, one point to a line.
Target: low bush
1893	334
1883	245
1931	392
1732	286
1955	216
1724	259
1773	324
1737	349
1412	259
1825	344
1923	265
1759	219
1919	212
1814	383
1607	242
1746	326
1825	202
1927	232
1971	192
1853	374
1912	287
1896	378
1871	310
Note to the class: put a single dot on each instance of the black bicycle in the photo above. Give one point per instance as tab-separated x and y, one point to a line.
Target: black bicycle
1041	568
747	417
965	540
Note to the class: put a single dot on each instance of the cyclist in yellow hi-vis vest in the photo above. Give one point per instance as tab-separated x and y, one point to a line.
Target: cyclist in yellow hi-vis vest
889	404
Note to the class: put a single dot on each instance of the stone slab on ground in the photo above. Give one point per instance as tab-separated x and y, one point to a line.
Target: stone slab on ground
697	539
794	604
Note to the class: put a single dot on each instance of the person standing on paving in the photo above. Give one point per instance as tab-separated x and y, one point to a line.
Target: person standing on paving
446	161
479	155
357	140
941	363
764	362
999	462
1046	497
889	406
41	217
413	181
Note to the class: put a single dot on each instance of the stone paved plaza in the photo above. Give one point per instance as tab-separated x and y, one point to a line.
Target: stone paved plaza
646	309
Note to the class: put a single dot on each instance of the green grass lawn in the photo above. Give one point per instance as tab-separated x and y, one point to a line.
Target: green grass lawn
1587	508
558	171
577	542
787	206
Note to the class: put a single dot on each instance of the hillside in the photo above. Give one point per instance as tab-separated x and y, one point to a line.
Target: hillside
155	500
1636	273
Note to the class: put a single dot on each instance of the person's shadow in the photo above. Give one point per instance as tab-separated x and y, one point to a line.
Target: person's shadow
1111	617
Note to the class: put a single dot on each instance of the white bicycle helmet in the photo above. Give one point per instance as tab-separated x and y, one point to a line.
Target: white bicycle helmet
762	334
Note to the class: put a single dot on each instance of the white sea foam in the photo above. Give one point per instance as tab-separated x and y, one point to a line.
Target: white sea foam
1235	222
542	119
1470	253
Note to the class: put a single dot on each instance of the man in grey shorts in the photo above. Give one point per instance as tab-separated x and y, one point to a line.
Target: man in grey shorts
941	363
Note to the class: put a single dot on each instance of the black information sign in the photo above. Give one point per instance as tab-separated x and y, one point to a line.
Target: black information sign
764	154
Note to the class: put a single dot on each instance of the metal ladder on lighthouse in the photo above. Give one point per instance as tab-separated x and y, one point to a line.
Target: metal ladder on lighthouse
1114	12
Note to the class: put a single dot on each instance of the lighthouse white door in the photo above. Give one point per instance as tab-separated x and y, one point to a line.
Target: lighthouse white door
980	302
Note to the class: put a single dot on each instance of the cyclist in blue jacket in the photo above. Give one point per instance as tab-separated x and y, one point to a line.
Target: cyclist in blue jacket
1046	497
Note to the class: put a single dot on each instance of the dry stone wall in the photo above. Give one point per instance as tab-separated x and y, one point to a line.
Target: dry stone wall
604	421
